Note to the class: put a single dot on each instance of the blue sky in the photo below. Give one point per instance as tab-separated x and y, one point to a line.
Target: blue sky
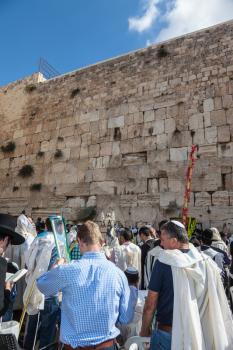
71	34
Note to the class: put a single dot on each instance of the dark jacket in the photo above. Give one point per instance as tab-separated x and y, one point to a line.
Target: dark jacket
148	245
4	294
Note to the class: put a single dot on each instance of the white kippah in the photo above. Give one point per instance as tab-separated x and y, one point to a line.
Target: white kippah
131	270
177	223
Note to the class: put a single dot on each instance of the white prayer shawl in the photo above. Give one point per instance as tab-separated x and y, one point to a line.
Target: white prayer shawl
37	263
127	255
151	258
202	318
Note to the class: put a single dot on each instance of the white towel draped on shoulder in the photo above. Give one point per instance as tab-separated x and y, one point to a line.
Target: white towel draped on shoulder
202	318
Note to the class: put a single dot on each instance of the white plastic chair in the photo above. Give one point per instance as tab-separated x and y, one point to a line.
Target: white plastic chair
136	343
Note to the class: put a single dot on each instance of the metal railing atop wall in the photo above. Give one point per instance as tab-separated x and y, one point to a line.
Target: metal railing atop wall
46	69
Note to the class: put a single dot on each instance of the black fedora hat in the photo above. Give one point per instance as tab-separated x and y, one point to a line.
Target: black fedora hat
7	227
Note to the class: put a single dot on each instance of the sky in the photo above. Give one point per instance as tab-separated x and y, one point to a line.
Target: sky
71	34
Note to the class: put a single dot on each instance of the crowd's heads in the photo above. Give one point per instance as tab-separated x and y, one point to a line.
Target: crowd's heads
89	233
144	232
7	232
48	225
132	275
207	236
125	235
173	234
40	226
195	241
216	235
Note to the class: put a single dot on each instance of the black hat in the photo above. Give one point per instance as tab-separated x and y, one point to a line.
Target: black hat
7	227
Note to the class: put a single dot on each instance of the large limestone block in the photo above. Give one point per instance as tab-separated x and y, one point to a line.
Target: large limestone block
158	127
207	151
128	201
139	158
116	122
102	188
224	133
207	182
178	154
208	105
175	185
218	117
163	184
211	134
149	116
225	150
170	125
89	117
229	115
202	199
220	198
106	148
153	186
133	186
148	200
196	121
199	137
68	131
227	101
180	139
157	156
99	174
78	189
94	150
171	199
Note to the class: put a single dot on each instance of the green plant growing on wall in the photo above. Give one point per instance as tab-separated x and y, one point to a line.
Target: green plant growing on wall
30	88
162	52
9	147
15	188
26	171
36	187
58	153
40	154
74	92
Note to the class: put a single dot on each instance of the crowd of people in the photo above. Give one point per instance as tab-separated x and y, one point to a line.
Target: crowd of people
155	283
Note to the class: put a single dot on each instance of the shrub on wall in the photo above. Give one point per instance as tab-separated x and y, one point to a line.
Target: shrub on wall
58	153
36	187
15	188
29	88
9	147
26	171
40	154
162	52
74	92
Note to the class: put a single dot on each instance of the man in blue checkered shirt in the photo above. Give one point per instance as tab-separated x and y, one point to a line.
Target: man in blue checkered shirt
95	295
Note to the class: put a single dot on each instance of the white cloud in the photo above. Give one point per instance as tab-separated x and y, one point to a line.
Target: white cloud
190	15
149	14
180	16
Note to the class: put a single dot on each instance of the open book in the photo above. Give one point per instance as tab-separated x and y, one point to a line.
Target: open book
14	277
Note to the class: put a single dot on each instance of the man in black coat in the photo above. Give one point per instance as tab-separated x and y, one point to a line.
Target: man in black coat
148	243
7	236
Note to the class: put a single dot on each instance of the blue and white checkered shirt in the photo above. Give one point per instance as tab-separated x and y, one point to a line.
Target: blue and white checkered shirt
95	296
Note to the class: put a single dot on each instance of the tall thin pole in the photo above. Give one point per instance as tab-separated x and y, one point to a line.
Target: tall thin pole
188	182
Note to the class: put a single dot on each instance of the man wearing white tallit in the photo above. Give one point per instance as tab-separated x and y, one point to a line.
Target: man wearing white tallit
127	254
18	254
187	292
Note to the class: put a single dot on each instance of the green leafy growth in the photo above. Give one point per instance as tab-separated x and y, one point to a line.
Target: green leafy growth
36	187
9	147
26	171
30	88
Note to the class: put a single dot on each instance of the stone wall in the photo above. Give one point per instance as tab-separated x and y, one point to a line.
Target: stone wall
124	128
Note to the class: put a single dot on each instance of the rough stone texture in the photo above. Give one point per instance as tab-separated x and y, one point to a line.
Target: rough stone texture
125	127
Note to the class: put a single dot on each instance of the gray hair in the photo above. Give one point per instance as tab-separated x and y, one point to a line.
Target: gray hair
176	231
